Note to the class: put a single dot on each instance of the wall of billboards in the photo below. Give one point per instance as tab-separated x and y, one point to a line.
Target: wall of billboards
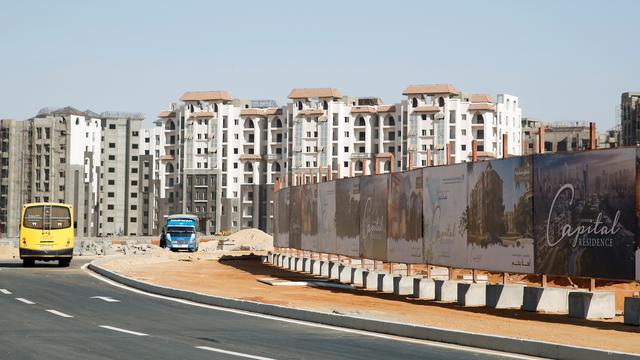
570	214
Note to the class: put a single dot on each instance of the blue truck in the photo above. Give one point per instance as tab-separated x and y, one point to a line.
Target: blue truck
181	233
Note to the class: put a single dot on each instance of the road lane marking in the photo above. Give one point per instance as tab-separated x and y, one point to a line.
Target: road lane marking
233	353
5	291
105	298
29	302
432	343
123	330
56	312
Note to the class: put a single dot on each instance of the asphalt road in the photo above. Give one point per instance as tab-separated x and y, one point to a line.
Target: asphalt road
48	312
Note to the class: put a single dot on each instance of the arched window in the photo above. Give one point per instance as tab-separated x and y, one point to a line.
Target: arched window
191	107
479	119
276	123
248	166
275	166
515	105
325	105
168	168
299	105
441	101
77	121
360	121
358	165
391	121
414	102
387	165
171	125
215	107
248	124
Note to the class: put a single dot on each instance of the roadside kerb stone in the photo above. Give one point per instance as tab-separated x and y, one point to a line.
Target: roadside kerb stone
491	342
592	305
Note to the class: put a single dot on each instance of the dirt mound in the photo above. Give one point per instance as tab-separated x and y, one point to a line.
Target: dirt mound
250	239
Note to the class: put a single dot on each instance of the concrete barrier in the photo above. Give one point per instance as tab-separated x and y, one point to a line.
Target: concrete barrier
324	268
470	294
632	311
299	266
424	288
446	290
507	296
357	277
492	342
315	266
385	282
344	273
306	265
403	285
284	262
370	279
592	305
553	300
334	270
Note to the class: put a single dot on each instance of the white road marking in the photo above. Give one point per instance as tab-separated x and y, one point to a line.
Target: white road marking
5	291
105	298
233	353
123	330
25	301
311	324
56	312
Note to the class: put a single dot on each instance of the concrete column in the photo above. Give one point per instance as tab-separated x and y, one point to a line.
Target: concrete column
593	137
541	140
474	150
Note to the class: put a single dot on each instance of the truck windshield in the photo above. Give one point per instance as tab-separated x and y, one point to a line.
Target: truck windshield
180	230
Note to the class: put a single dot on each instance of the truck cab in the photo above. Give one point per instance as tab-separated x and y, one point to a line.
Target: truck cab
180	233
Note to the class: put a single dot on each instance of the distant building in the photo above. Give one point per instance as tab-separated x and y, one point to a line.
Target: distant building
12	137
560	137
630	118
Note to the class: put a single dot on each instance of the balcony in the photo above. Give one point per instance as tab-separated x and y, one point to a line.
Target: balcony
272	157
361	155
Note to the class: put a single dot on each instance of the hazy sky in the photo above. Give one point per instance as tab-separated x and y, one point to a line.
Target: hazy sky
566	60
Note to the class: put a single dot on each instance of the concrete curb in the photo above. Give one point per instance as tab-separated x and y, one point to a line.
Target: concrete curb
491	342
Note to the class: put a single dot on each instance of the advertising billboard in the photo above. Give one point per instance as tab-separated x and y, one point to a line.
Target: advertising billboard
404	217
295	220
309	217
445	215
500	215
373	217
347	214
585	214
327	218
282	214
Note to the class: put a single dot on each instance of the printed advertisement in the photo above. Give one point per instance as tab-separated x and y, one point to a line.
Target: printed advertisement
309	216
373	217
348	216
327	218
404	217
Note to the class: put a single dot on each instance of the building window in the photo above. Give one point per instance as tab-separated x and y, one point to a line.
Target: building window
134	133
111	194
463	147
134	195
112	145
346	164
414	102
112	126
112	170
110	219
133	220
235	150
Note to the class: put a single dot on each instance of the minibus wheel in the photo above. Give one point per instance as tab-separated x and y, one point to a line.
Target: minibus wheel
64	262
28	262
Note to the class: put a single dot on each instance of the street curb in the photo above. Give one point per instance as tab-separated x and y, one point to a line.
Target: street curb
491	342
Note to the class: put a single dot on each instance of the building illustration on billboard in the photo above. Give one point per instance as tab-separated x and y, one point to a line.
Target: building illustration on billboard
585	217
499	216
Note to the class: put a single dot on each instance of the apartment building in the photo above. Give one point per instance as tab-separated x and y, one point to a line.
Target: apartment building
563	136
53	157
630	118
222	156
11	177
120	188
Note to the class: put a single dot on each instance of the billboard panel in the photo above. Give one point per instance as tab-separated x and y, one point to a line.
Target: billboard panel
282	214
585	216
327	218
309	217
295	221
347	215
373	217
500	215
445	215
404	217
638	214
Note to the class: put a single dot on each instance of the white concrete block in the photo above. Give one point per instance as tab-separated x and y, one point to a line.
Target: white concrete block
370	279
344	273
315	266
632	311
357	276
298	265
447	290
507	296
334	270
306	265
592	305
385	282
552	300
424	288
470	294
403	285
324	268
